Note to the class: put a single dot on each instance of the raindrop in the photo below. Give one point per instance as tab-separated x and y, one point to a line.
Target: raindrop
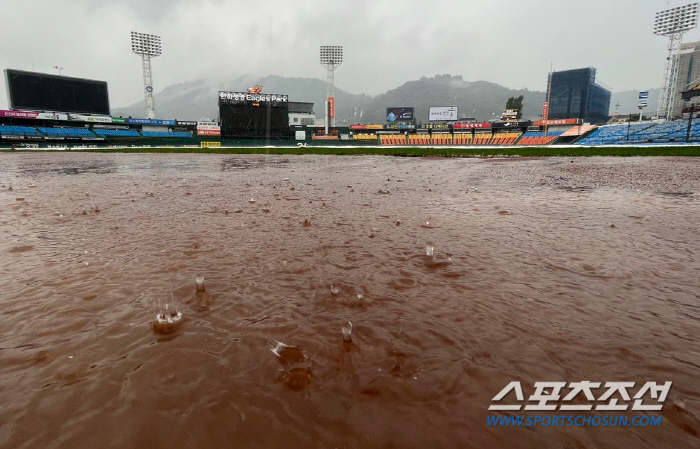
347	331
167	320
288	354
335	289
238	211
251	201
199	281
266	209
398	222
429	249
307	223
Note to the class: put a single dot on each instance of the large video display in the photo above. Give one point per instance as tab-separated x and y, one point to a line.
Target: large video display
254	116
43	92
399	114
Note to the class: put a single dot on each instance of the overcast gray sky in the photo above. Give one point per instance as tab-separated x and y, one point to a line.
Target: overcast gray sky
386	43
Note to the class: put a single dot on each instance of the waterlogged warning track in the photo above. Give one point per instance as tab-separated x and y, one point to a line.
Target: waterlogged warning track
542	270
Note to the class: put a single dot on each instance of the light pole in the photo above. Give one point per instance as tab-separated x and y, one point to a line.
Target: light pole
331	57
58	68
672	23
147	46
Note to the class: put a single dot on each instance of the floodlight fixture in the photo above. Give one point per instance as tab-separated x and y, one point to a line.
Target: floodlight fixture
672	23
676	20
147	46
331	57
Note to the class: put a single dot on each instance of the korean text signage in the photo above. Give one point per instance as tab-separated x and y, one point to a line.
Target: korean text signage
185	123
149	121
563	121
34	115
245	97
435	126
545	111
399	126
471	126
366	126
399	114
208	129
443	113
89	118
331	107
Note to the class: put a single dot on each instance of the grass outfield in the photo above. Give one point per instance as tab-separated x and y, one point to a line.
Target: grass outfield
549	151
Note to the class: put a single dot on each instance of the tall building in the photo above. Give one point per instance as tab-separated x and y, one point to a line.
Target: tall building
575	94
688	75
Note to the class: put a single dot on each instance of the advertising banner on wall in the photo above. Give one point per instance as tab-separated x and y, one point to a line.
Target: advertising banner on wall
545	111
149	121
471	126
443	113
89	118
435	126
208	129
399	114
406	126
563	121
366	126
34	115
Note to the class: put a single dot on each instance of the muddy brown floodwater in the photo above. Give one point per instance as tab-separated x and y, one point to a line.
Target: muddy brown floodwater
554	269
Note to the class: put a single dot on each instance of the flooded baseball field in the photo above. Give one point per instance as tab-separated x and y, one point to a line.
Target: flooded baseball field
258	301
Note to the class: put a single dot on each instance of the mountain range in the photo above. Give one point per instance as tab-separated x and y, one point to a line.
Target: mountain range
482	100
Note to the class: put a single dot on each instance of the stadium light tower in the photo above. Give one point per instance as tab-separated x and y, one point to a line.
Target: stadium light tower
672	23
331	57
147	46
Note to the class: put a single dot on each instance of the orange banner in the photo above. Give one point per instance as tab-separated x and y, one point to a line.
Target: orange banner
331	107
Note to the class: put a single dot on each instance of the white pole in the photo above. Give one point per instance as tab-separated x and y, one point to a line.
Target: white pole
326	120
